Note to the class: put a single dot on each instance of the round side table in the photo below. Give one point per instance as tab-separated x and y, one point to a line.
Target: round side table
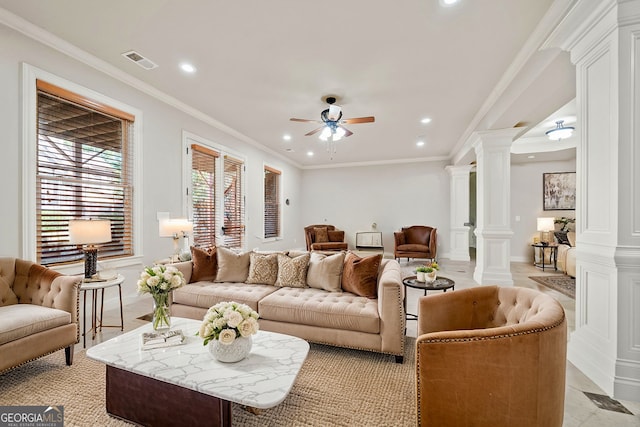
94	286
440	284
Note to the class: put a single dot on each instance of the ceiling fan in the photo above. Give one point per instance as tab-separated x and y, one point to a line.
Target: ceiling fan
332	121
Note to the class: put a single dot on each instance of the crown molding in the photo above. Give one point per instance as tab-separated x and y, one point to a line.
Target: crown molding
378	163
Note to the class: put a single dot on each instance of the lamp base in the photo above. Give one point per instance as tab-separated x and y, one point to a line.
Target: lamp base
90	262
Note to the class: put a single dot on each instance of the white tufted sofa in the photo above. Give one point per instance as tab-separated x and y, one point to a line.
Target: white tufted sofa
337	318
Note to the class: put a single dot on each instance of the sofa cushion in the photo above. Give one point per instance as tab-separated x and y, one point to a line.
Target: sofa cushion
360	275
21	320
413	247
7	297
263	268
325	271
232	266
292	271
316	307
205	264
322	234
206	294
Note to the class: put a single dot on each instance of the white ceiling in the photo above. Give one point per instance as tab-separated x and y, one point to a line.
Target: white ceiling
472	66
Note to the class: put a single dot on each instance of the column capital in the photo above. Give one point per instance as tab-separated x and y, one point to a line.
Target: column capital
459	169
495	138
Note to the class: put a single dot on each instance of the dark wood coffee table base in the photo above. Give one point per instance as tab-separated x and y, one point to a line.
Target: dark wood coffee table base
150	402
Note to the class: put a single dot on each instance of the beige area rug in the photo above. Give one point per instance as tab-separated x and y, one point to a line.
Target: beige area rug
561	283
336	387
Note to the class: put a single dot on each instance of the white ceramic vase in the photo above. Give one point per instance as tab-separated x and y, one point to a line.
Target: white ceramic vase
420	276
431	277
229	353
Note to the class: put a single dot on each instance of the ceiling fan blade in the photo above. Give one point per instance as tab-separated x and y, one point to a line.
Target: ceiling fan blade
347	132
368	119
304	120
314	131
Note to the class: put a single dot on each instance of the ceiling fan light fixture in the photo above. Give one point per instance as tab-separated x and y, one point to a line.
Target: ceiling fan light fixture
560	131
338	134
326	133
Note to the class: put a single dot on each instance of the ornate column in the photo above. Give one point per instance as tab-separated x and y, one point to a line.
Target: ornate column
459	211
603	37
493	229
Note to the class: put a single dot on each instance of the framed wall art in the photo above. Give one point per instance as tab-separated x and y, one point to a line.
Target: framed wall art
559	191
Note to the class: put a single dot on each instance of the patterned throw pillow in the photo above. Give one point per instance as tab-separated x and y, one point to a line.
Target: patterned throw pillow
360	275
325	271
205	264
562	238
322	235
232	267
292	272
263	268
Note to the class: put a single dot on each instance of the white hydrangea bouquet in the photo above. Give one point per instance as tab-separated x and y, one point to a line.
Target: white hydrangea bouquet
227	321
159	281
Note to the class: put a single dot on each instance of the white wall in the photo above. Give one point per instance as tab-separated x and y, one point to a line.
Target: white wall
526	202
390	195
161	155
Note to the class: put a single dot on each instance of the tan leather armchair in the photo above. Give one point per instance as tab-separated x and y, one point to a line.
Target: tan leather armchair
417	241
38	312
324	237
491	356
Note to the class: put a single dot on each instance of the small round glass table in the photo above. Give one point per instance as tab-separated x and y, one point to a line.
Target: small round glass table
440	284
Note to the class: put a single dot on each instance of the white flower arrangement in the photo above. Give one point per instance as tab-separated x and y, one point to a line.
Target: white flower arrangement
227	321
160	279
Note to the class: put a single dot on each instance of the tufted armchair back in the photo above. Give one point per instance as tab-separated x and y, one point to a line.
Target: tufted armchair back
491	356
24	282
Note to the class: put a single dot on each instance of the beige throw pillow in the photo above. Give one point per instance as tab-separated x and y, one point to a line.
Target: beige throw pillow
292	272
232	267
325	271
263	268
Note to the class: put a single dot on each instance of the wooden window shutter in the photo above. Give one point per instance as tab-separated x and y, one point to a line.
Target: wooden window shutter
271	202
203	195
84	170
233	227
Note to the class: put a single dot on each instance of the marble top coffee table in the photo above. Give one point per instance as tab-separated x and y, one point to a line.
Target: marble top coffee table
183	385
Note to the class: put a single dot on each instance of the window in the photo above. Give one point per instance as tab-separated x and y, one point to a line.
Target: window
83	170
203	195
215	194
271	202
233	227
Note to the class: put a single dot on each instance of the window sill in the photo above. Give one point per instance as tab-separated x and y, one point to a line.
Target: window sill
78	267
271	239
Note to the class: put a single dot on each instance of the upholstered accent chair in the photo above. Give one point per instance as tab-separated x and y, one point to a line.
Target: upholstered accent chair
491	356
38	312
324	237
417	241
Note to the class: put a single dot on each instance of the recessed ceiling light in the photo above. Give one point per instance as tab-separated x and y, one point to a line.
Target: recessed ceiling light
448	2
187	68
531	157
286	137
420	143
426	120
310	153
289	150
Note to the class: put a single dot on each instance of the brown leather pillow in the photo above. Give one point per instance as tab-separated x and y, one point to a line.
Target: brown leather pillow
322	235
205	265
360	275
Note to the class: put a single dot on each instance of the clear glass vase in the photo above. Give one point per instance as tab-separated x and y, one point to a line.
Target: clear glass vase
161	312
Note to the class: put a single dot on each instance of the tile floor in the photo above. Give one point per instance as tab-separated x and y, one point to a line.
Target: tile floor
579	409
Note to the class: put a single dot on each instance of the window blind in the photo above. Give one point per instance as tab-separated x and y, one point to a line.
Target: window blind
83	170
233	226
203	195
271	202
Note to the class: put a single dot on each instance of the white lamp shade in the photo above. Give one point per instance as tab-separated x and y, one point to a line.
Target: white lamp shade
89	231
546	224
174	226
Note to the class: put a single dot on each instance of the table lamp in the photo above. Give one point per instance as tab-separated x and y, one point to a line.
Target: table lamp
545	225
175	228
89	232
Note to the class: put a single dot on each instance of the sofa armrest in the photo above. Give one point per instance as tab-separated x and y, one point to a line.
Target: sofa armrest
391	307
64	295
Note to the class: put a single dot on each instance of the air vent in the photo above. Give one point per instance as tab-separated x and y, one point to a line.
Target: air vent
145	63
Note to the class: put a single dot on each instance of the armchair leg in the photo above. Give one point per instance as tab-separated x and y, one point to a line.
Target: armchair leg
68	355
399	359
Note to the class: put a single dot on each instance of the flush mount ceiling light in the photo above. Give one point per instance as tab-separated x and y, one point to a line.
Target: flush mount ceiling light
560	131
